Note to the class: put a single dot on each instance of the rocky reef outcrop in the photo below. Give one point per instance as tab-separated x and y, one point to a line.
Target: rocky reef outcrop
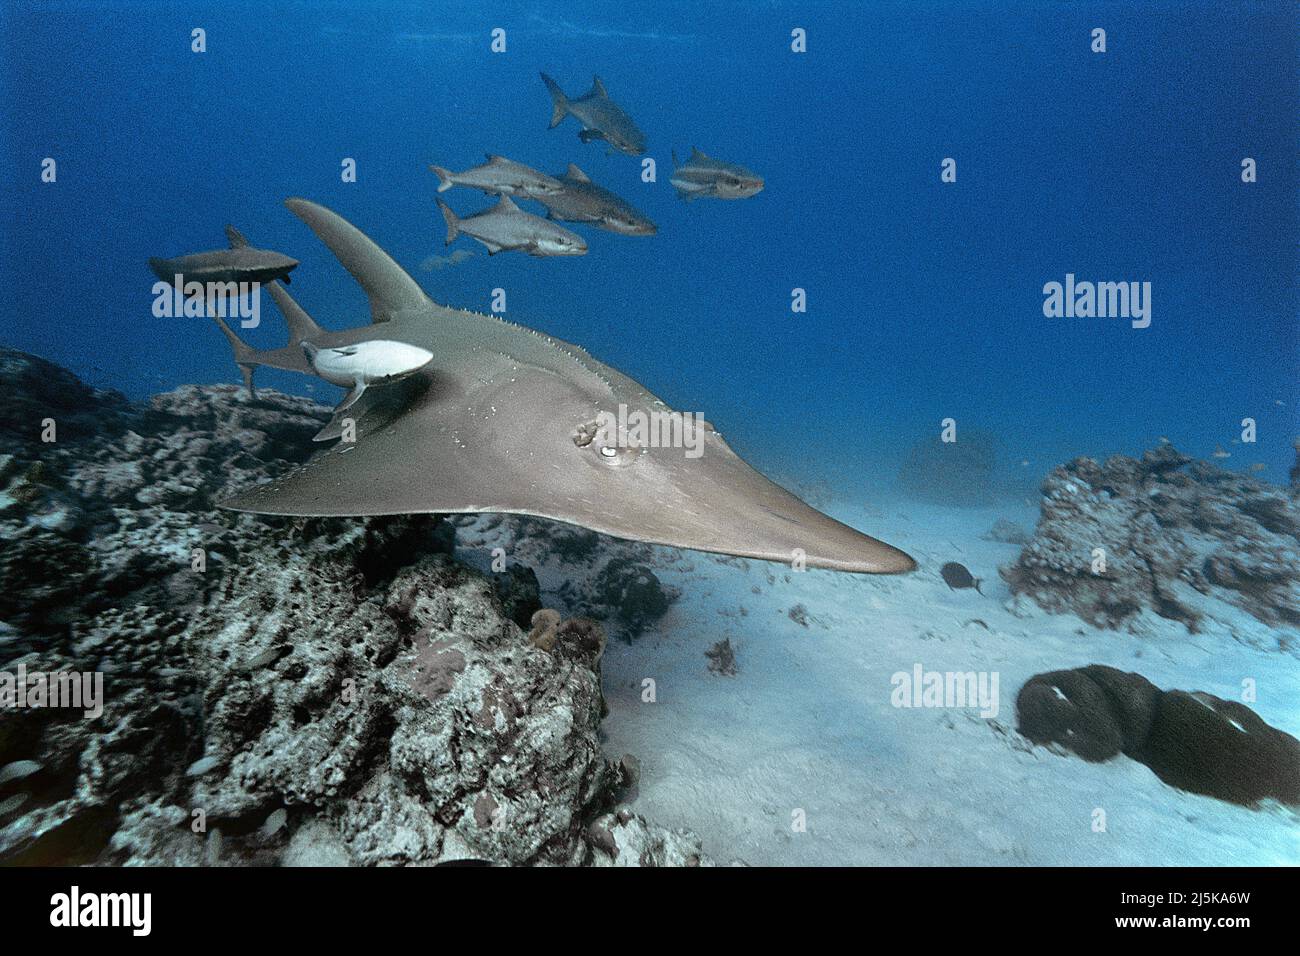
275	691
1190	740
1184	539
607	580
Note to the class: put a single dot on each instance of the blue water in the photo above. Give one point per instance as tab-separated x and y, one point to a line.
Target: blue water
924	298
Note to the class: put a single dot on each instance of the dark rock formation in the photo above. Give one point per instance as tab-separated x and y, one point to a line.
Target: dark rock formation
1222	748
602	578
517	589
1178	537
1095	711
37	390
628	592
276	690
1190	740
951	473
722	658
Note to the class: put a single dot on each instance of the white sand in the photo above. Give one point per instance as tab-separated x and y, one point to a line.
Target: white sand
807	723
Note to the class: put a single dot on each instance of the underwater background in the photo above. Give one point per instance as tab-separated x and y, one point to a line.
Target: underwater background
924	303
924	298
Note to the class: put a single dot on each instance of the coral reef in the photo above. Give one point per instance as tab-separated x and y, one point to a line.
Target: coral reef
1190	740
276	691
1164	533
625	839
545	627
604	579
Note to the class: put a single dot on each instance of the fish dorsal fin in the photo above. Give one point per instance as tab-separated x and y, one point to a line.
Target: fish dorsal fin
495	160
598	88
390	289
301	325
505	205
235	238
577	174
696	154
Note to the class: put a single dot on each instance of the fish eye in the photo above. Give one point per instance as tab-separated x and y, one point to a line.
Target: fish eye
601	441
619	456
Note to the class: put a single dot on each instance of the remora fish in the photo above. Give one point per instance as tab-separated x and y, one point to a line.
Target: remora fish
505	419
581	200
703	176
240	263
601	117
505	226
501	177
355	367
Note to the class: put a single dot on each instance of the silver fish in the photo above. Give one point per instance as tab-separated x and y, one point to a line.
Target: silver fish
240	263
581	200
500	177
703	176
601	117
506	227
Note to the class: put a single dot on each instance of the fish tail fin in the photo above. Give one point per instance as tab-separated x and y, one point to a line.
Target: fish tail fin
560	101
161	268
245	355
453	223
675	162
444	178
290	359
